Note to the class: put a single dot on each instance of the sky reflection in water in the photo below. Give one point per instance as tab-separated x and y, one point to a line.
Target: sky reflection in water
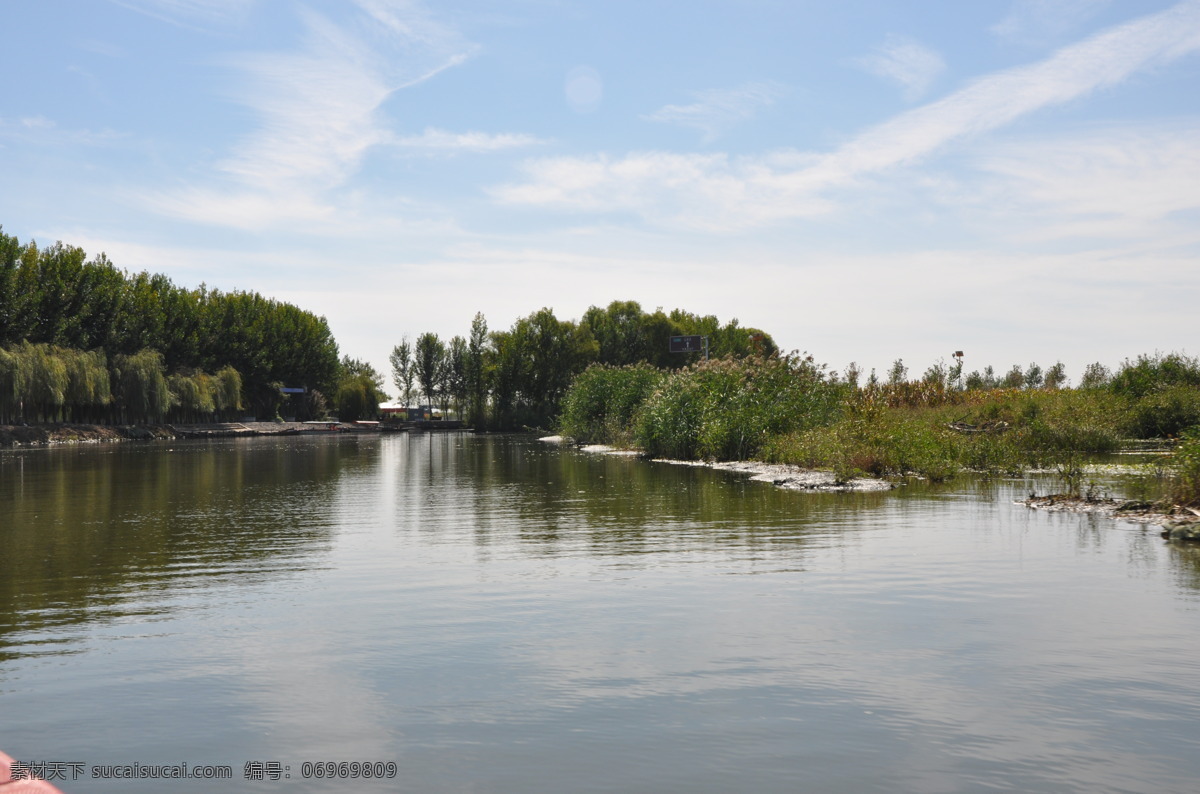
497	615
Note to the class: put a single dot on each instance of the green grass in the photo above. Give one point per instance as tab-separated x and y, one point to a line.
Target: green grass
729	409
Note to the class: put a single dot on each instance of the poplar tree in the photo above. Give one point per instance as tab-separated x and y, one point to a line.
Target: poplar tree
403	370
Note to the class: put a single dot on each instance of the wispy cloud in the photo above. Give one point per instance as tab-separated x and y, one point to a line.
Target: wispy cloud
700	190
714	192
43	132
442	140
1136	181
716	110
319	106
105	48
318	109
190	13
241	208
1036	21
907	62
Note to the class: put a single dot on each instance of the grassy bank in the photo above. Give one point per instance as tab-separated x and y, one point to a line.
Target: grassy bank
787	409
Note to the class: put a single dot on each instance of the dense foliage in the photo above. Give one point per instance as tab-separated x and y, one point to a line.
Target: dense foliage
728	408
1185	466
787	409
603	401
46	383
55	296
519	377
359	392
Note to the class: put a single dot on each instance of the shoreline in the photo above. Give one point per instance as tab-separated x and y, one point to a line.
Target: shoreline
1135	511
781	475
1183	521
14	436
61	433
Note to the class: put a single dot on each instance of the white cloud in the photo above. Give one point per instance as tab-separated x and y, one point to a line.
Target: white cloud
42	132
319	113
716	110
713	191
907	62
436	139
36	122
245	209
1136	182
704	191
319	106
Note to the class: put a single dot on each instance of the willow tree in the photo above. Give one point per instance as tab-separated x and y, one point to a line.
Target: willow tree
192	396
10	395
143	394
89	386
227	393
43	382
53	295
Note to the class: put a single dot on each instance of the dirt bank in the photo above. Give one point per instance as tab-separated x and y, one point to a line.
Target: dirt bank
42	435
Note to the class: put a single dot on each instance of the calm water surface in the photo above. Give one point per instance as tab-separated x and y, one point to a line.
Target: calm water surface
494	614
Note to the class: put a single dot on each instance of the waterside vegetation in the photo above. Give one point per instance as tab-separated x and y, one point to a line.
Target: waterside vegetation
82	340
516	378
788	409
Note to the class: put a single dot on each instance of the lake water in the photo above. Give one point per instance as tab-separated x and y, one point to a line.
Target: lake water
494	614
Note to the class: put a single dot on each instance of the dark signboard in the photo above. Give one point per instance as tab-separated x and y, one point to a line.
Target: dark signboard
293	389
687	344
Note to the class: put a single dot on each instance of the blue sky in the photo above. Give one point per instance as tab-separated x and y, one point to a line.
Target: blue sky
1017	179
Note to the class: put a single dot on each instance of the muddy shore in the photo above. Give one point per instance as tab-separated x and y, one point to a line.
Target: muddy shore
1132	510
44	435
52	434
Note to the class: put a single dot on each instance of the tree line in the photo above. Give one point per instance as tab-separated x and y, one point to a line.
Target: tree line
83	316
518	377
47	383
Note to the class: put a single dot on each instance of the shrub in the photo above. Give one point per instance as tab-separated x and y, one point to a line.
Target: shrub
1166	412
1155	373
602	402
727	409
1185	475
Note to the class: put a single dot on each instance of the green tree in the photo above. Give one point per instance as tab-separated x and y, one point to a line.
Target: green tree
359	392
507	363
404	370
1056	376
1095	376
357	398
430	353
1034	378
455	374
227	393
475	371
556	351
142	391
937	373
